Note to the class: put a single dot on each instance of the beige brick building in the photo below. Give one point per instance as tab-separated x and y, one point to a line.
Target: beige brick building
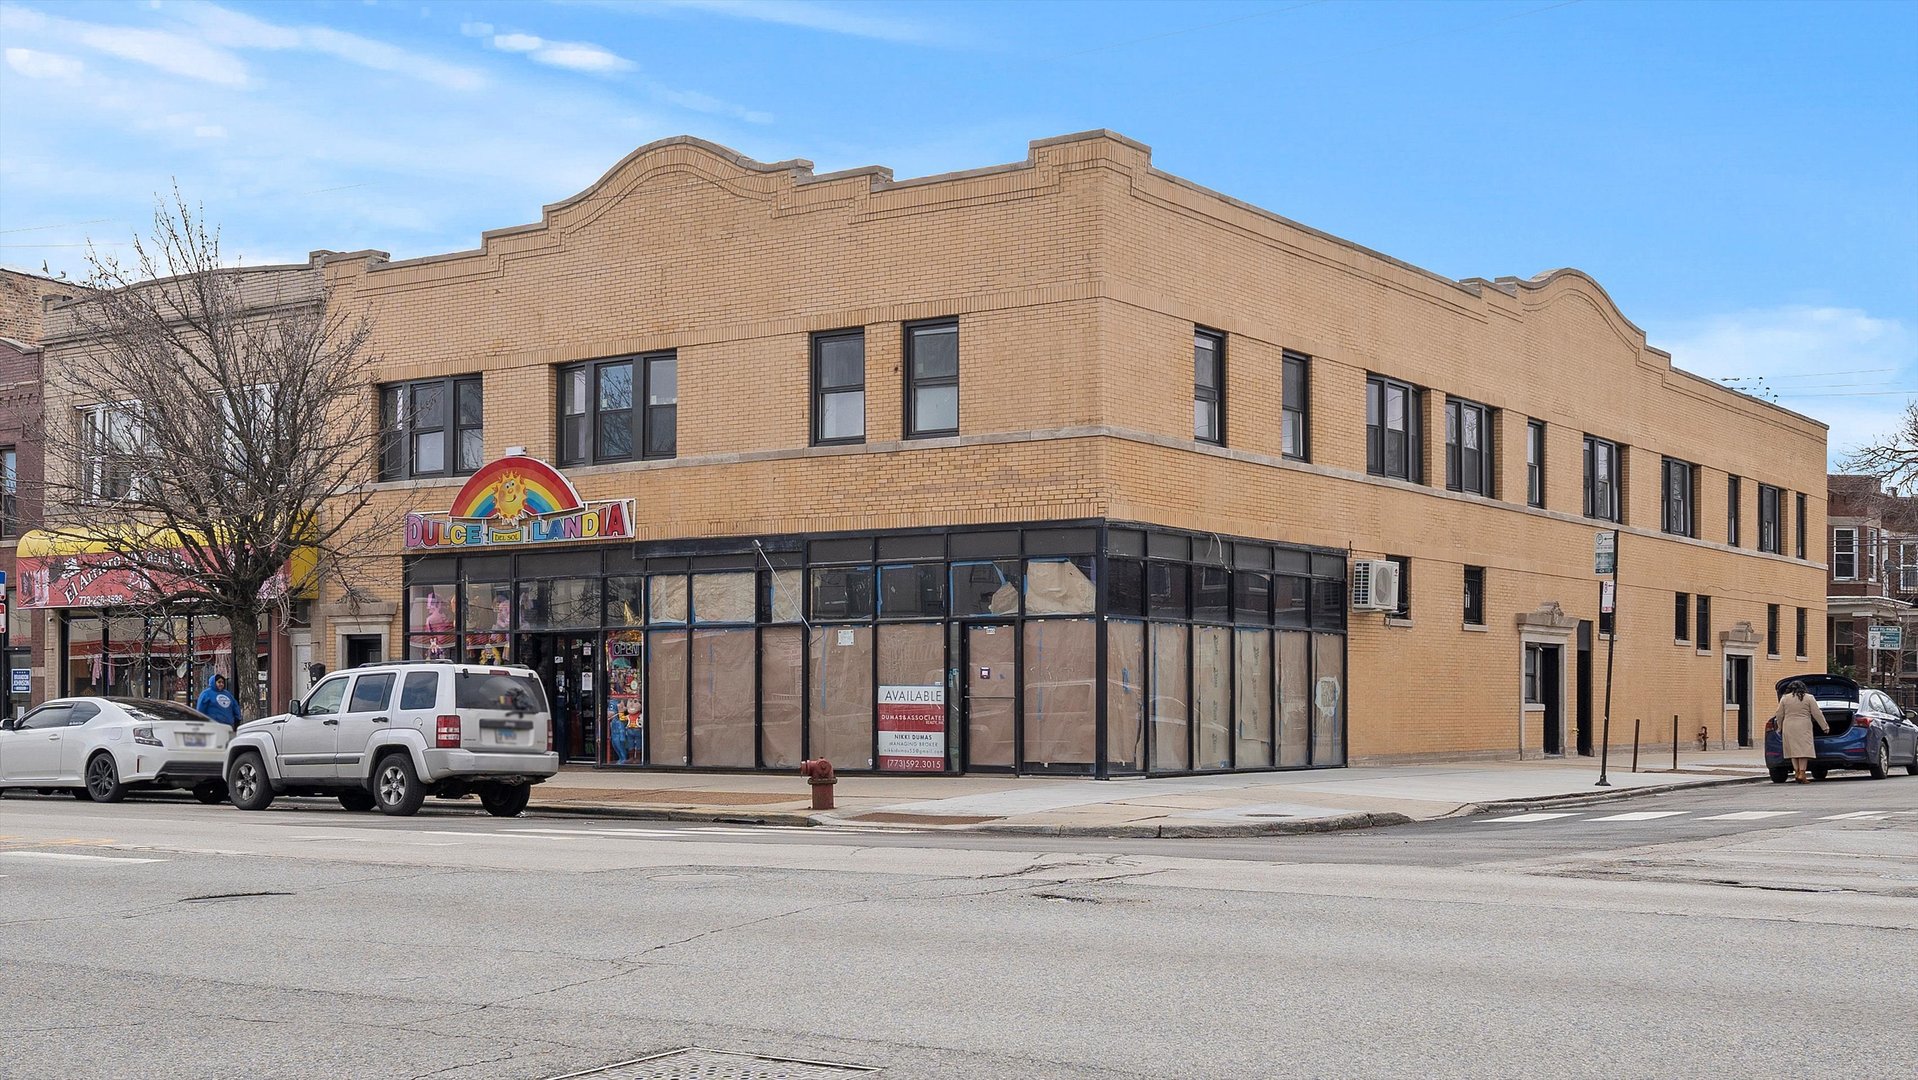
1064	465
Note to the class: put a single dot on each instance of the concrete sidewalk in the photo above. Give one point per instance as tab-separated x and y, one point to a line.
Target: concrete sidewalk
1241	804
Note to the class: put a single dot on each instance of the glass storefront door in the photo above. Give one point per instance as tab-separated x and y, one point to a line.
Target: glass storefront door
566	663
992	657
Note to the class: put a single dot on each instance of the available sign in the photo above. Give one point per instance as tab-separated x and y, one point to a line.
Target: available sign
912	728
1886	639
516	501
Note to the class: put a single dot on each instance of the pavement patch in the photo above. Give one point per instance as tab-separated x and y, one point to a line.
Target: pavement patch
706	1064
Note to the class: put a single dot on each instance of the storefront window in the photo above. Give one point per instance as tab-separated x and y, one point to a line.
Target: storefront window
782	695
171	673
985	587
842	695
1125	587
489	623
666	598
1061	658
559	604
1165	585
725	598
432	612
842	592
126	663
1171	724
1211	594
212	651
912	591
1295	698
625	712
1125	696
86	658
722	694
625	601
1060	586
666	697
1212	695
1252	699
1328	699
1292	601
912	696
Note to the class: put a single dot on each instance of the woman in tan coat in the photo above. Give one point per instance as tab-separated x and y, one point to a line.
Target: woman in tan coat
1797	712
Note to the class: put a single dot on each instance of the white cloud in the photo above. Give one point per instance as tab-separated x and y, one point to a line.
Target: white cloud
706	103
800	13
517	42
44	65
239	31
572	55
176	54
476	29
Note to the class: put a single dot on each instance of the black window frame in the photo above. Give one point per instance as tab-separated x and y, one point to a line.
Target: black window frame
1801	634
1474	581
1734	497
1404	610
1771	630
9	491
1612	453
1849	554
1702	608
821	391
1682	617
1678	492
1798	522
1213	395
911	333
643	417
1481	480
1769	540
1413	466
398	446
1295	408
1535	463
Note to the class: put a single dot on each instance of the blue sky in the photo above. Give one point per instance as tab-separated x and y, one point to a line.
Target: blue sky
1742	178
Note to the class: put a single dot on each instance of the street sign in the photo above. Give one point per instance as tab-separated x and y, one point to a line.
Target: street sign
1605	553
22	680
1607	597
1886	639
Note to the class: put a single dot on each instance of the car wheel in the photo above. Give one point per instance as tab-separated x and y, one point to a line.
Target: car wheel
103	779
396	786
1881	761
210	792
505	800
357	799
1819	772
1780	774
247	784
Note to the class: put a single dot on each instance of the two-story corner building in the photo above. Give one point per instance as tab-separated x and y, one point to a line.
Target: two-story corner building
105	627
1065	466
1874	582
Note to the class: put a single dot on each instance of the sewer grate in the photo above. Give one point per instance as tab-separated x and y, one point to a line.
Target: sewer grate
700	1063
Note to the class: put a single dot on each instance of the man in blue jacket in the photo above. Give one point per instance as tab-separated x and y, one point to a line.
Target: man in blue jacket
217	703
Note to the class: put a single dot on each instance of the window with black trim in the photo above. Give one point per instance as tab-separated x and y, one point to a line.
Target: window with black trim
839	387
1295	405
1844	554
1704	637
1681	617
1602	487
1768	522
1680	494
1801	634
932	379
1733	497
432	427
1468	446
1393	429
621	409
1404	563
1535	463
1771	629
1208	386
1798	536
1475	596
9	492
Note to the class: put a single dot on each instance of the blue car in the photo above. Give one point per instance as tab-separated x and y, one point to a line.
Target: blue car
1868	731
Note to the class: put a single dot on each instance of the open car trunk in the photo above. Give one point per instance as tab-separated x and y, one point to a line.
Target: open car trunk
1837	698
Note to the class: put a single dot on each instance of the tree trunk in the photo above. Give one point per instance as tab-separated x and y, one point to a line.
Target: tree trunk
245	629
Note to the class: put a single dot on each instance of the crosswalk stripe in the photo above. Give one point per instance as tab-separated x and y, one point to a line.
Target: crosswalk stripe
1642	815
1856	815
1535	817
1750	815
68	855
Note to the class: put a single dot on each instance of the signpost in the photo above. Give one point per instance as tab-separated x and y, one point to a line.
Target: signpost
1886	638
1605	562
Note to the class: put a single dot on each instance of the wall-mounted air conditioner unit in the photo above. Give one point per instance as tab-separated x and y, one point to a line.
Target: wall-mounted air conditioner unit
1375	585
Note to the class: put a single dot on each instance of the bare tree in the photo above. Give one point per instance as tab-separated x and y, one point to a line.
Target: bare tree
1892	458
222	428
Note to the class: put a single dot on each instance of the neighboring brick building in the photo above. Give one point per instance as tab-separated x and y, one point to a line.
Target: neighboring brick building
1063	465
1874	580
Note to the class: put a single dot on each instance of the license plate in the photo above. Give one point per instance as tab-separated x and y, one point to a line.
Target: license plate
193	740
506	736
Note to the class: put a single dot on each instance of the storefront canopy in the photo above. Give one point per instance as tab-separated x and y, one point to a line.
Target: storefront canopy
87	568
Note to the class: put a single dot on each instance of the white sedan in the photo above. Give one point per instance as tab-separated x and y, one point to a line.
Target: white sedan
98	747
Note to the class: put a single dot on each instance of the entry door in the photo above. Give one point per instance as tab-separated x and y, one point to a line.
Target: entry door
1738	680
1550	692
362	649
991	659
565	663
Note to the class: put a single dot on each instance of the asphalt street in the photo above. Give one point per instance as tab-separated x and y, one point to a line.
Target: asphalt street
1753	930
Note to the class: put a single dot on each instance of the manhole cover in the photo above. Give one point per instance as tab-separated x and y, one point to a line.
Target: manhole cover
699	1063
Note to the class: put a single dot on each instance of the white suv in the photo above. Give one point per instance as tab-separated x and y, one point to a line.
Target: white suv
389	735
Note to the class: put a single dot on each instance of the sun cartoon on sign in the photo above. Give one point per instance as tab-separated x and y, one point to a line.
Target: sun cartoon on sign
509	504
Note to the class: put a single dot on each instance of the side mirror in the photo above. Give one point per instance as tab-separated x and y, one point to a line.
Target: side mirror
7	724
296	707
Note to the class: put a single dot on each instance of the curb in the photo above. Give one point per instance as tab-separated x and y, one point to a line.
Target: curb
1583	798
643	813
1339	823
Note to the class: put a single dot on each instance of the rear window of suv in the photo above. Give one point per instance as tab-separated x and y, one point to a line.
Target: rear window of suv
499	692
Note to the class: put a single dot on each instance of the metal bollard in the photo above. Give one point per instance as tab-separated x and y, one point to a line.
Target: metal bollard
1674	742
1635	722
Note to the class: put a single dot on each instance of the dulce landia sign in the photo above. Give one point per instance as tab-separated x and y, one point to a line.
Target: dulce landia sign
519	500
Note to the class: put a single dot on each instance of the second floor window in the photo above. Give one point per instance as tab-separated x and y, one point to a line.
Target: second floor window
1844	554
1798	535
1602	485
1679	518
1681	617
839	387
1771	629
1208	386
1393	433
432	427
1768	520
1733	497
113	441
9	493
1704	637
1535	463
619	410
1801	634
1295	407
1475	596
1468	447
932	379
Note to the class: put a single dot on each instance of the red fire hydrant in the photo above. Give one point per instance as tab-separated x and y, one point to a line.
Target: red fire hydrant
818	773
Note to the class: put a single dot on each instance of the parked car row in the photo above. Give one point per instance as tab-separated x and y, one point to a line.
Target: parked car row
1866	729
380	736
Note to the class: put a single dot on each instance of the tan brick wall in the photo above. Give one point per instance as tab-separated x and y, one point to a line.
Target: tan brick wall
1077	278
